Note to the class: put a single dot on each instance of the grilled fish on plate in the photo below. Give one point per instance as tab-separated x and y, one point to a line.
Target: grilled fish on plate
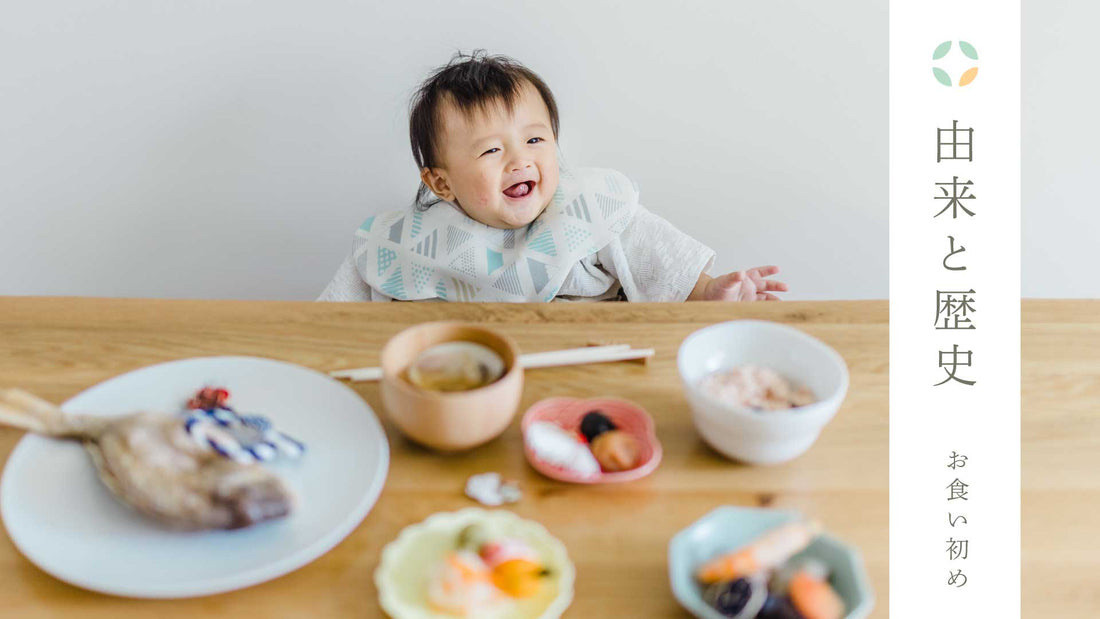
150	462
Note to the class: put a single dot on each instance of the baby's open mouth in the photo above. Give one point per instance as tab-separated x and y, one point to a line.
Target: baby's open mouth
520	189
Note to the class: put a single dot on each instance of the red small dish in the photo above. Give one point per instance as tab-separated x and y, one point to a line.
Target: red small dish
568	412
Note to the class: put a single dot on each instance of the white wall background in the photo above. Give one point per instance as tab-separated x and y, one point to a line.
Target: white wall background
1061	149
228	149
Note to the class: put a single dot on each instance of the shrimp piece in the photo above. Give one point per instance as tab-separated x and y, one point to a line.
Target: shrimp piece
768	552
813	597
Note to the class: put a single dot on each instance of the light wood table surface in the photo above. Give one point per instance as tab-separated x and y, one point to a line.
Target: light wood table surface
616	535
1060	459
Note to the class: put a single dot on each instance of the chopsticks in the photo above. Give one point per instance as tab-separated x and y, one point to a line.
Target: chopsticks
550	358
582	356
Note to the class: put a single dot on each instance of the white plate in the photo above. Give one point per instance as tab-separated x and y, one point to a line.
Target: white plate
66	522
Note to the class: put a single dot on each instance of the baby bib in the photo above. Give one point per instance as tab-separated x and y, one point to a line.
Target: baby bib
443	253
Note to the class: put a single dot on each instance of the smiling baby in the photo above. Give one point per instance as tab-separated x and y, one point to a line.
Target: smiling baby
499	217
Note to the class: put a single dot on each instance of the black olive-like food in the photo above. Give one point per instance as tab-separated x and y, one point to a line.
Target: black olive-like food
778	607
594	424
729	597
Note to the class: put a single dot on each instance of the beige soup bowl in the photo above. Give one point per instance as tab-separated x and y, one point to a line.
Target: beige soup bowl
449	421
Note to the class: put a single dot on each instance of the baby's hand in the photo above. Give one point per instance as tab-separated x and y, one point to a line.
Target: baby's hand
749	285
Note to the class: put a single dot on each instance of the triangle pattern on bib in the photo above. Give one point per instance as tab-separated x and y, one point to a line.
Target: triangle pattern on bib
455	238
421	276
544	243
464	291
609	205
465	263
493	260
426	247
575	236
579	208
395	231
442	253
395	286
509	281
539	274
386	257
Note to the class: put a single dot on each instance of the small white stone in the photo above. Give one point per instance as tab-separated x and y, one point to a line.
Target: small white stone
491	490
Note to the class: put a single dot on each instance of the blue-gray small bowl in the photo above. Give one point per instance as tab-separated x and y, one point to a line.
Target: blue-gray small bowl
729	528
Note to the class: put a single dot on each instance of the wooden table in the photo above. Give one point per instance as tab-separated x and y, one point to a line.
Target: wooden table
617	535
1060	458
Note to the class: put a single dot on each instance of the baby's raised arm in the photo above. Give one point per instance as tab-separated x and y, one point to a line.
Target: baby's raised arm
749	285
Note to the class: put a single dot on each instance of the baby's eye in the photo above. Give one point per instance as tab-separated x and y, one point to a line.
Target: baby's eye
535	140
490	151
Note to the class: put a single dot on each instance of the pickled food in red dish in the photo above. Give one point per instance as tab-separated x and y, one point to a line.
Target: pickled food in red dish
614	449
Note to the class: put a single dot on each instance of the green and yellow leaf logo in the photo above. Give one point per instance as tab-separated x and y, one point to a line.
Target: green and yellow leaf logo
941	54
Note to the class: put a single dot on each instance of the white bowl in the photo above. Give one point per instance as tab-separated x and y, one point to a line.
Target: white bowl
761	437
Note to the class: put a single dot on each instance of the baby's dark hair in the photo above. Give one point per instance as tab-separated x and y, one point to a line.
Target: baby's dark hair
471	82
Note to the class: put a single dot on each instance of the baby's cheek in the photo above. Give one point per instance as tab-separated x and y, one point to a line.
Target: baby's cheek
481	206
487	198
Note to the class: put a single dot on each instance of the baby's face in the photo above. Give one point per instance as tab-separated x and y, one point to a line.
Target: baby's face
500	167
